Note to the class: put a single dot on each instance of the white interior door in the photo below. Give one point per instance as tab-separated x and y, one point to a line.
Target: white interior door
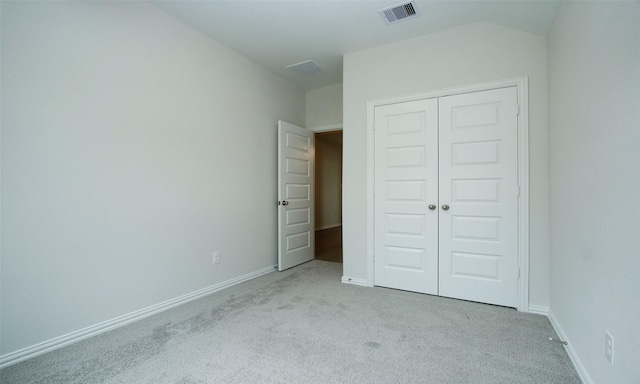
446	196
295	195
406	184
479	184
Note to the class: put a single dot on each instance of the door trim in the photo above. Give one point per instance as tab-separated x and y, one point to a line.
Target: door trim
521	84
327	128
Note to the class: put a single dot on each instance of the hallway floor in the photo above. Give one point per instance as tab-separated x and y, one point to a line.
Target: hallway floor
329	244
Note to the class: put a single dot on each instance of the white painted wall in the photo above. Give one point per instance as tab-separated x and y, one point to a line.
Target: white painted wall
470	54
328	182
324	106
132	147
594	98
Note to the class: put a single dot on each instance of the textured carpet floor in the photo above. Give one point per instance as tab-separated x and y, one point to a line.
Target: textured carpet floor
304	326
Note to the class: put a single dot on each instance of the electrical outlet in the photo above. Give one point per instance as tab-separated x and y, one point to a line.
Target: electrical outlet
216	257
608	347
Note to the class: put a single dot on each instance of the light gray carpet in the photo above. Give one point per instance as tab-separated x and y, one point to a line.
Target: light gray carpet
304	326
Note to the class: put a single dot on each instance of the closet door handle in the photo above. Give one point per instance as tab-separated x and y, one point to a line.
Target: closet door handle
432	207
445	207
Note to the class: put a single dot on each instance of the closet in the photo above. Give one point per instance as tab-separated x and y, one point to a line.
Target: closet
446	196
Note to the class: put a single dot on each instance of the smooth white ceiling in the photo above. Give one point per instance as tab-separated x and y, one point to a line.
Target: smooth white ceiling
275	34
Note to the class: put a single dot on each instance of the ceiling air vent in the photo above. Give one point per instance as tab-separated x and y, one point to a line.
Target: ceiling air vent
305	68
398	13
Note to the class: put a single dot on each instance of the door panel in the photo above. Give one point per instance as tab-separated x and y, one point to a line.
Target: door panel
406	231
478	180
295	195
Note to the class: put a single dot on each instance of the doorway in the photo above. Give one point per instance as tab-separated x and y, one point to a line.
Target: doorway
328	196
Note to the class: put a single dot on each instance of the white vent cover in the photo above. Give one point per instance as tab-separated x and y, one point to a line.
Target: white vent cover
398	12
305	68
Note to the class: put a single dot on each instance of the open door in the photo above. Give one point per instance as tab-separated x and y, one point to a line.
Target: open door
295	195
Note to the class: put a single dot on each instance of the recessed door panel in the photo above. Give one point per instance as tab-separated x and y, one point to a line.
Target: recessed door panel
299	142
475	266
406	123
406	191
475	153
475	228
475	191
297	192
474	116
298	167
298	216
406	157
298	241
406	225
408	259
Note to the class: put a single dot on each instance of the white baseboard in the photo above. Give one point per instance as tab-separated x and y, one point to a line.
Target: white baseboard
328	226
355	281
582	372
85	333
539	310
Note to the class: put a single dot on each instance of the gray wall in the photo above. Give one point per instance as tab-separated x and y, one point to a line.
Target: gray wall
132	147
594	99
324	106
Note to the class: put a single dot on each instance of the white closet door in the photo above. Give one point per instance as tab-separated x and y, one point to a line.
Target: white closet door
478	181
406	176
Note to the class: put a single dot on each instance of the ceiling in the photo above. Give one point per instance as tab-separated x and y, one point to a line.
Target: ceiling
276	34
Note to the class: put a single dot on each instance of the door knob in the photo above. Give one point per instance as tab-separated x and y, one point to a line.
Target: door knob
432	207
445	207
285	202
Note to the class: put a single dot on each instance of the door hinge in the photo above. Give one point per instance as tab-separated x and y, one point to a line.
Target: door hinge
518	191
518	273
518	110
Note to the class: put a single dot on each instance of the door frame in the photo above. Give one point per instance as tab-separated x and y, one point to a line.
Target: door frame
321	129
521	84
314	130
327	128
